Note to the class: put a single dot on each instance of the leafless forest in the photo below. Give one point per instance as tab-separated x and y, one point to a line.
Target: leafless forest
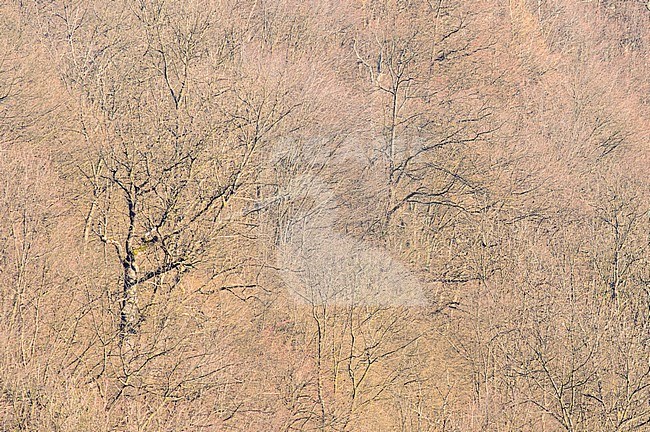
325	215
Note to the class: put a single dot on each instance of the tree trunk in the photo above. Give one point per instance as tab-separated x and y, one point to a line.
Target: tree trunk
129	313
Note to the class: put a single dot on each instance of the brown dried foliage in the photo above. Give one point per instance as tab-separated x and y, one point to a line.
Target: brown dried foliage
213	212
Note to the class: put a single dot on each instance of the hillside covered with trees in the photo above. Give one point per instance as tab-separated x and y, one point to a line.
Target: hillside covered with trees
325	215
